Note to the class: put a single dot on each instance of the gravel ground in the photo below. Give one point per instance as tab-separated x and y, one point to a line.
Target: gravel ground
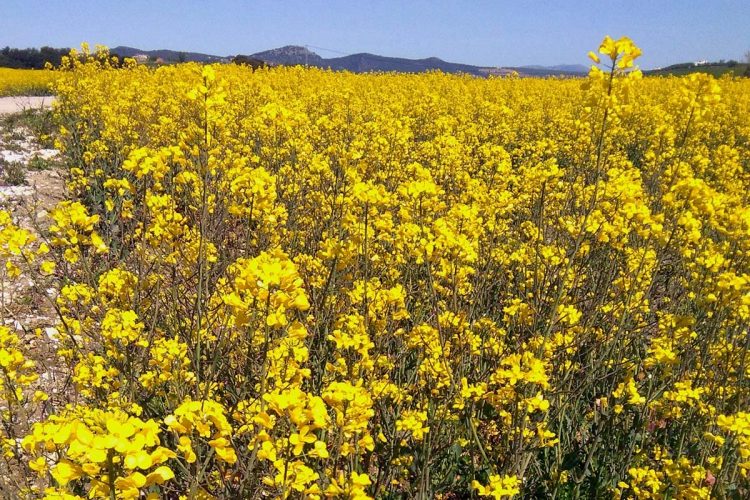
19	103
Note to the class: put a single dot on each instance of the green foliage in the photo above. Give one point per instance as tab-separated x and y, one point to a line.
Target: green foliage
31	58
715	69
13	173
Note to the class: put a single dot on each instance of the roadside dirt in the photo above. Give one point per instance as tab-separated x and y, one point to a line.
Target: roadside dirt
31	184
16	104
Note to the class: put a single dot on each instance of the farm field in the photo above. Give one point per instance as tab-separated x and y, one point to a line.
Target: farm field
297	283
25	82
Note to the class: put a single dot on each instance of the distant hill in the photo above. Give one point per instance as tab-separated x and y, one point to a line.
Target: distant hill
713	68
361	63
167	55
364	62
297	55
289	55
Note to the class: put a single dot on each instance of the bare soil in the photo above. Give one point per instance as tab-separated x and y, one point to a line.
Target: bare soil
34	188
16	104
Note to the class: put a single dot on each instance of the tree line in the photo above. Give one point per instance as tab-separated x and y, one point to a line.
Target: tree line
32	58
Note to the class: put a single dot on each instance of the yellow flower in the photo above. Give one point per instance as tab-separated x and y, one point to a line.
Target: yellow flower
47	267
65	472
498	487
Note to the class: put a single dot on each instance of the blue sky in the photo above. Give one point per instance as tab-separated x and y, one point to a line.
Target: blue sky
502	33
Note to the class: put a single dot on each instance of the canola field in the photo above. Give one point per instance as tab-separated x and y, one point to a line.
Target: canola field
25	81
294	283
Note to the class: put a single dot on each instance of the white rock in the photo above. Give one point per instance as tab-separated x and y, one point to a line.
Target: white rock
15	192
51	333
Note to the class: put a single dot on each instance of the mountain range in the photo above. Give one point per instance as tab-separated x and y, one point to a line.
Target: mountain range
364	62
166	55
358	63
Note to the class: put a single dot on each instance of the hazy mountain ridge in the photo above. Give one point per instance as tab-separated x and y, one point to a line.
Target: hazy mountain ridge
356	63
289	55
364	62
166	54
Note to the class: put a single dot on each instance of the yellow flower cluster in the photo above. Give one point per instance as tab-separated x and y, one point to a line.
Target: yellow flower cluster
111	451
74	230
498	487
298	283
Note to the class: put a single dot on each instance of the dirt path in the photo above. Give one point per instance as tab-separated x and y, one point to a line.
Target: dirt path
31	184
17	104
